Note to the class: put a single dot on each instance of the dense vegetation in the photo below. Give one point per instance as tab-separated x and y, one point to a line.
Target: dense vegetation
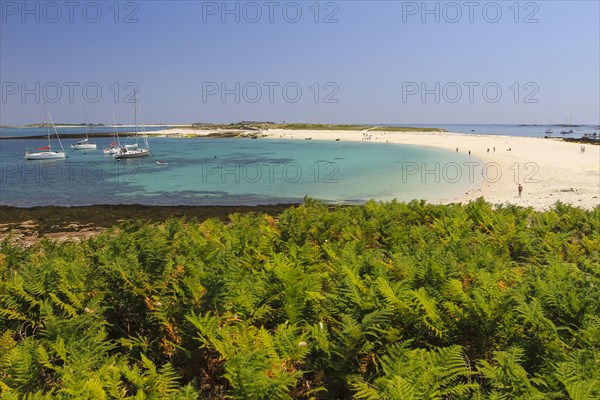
381	301
326	127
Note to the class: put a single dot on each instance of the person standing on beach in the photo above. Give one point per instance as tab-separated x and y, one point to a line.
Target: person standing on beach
520	189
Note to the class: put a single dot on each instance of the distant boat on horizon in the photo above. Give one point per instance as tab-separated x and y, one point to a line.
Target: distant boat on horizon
549	130
566	132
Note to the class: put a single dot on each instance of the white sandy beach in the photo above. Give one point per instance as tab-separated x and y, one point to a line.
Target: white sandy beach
549	170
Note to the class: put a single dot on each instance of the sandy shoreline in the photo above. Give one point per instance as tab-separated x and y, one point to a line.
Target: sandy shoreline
550	170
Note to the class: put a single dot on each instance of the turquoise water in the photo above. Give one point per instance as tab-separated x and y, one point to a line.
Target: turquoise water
233	172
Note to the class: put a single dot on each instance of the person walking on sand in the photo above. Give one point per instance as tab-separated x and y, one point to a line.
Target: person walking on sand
520	189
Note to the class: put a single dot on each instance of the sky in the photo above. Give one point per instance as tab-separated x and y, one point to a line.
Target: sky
371	62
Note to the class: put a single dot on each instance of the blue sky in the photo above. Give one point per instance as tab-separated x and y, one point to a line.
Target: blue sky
339	62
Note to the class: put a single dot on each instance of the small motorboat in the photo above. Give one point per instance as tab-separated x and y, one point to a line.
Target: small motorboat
161	162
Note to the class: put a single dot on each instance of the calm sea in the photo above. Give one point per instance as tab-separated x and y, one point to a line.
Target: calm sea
23	132
233	172
508	130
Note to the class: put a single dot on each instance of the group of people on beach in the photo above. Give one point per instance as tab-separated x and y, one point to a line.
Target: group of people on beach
488	150
519	186
582	149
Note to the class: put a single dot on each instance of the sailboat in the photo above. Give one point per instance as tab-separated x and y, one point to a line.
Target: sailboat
84	144
565	132
549	130
128	151
114	147
46	153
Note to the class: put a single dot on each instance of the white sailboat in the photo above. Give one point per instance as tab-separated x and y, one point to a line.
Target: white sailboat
115	146
112	148
46	153
135	151
125	152
84	144
549	130
566	132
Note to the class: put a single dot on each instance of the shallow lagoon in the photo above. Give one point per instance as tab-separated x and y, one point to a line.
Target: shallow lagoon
235	172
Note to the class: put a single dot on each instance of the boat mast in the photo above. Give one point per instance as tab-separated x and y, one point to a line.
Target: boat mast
47	126
55	132
135	116
112	111
87	122
142	126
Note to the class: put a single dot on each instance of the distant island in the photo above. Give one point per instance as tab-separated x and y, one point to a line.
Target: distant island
74	125
558	125
253	129
253	125
42	125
